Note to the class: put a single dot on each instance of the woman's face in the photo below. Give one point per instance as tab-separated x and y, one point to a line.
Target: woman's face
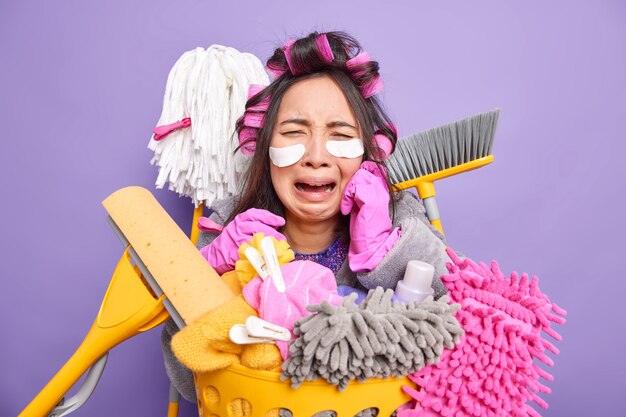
312	112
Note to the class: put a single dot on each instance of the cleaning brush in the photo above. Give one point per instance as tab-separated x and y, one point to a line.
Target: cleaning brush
423	158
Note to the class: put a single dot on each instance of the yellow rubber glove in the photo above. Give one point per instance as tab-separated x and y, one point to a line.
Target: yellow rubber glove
204	346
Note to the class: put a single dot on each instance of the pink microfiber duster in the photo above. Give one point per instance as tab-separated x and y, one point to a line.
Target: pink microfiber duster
491	371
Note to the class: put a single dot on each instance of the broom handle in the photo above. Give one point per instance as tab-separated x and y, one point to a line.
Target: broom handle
195	231
426	191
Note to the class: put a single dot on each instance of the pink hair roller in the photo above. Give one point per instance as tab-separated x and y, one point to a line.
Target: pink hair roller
392	128
354	63
247	138
287	48
372	87
358	60
253	119
276	72
254	89
249	148
324	48
262	106
384	145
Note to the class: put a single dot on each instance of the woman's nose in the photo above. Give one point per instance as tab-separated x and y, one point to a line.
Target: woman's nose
316	155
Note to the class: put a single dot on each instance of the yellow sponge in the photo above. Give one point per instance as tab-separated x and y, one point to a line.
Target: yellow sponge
186	278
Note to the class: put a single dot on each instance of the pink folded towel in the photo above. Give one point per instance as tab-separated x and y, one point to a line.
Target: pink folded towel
307	283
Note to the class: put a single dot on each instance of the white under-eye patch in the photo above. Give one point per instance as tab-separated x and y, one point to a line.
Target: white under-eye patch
352	148
288	155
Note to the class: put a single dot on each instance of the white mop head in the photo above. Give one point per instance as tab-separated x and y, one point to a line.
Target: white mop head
210	87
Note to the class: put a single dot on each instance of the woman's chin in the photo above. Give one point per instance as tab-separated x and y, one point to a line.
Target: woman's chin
317	212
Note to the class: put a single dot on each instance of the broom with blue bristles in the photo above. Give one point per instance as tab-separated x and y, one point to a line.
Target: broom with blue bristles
423	158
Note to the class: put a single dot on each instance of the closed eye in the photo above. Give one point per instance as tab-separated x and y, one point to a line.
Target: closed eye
342	135
293	133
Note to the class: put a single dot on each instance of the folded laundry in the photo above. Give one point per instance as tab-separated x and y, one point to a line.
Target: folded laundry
379	338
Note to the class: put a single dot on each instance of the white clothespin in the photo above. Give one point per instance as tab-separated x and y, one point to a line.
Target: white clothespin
271	263
257	261
262	328
257	330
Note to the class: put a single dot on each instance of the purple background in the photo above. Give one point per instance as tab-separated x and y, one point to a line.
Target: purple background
81	87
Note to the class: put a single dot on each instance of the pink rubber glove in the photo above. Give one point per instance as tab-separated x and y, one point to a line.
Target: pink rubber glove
222	252
366	199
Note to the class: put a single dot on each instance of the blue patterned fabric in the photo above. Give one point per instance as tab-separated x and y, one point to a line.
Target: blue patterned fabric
332	257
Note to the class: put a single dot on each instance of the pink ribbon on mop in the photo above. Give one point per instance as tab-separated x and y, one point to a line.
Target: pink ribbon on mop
161	132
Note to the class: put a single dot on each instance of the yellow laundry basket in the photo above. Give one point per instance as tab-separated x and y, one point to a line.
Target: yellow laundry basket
222	393
238	391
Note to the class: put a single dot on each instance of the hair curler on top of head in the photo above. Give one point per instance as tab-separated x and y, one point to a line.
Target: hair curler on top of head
330	53
319	52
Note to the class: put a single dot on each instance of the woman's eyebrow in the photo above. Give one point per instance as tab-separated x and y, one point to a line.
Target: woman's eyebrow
305	122
340	123
296	120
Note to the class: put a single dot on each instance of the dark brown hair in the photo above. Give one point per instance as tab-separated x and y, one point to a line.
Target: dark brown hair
258	191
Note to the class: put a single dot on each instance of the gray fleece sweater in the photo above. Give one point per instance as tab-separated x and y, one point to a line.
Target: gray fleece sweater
418	241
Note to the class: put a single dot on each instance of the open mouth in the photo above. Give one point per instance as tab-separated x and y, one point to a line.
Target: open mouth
315	187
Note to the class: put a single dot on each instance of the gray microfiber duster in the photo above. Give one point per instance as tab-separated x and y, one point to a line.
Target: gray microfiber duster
379	338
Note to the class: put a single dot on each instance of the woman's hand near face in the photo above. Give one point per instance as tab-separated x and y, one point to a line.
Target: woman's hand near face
366	200
222	252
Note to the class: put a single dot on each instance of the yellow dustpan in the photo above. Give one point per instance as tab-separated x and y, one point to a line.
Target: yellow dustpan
128	308
159	258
